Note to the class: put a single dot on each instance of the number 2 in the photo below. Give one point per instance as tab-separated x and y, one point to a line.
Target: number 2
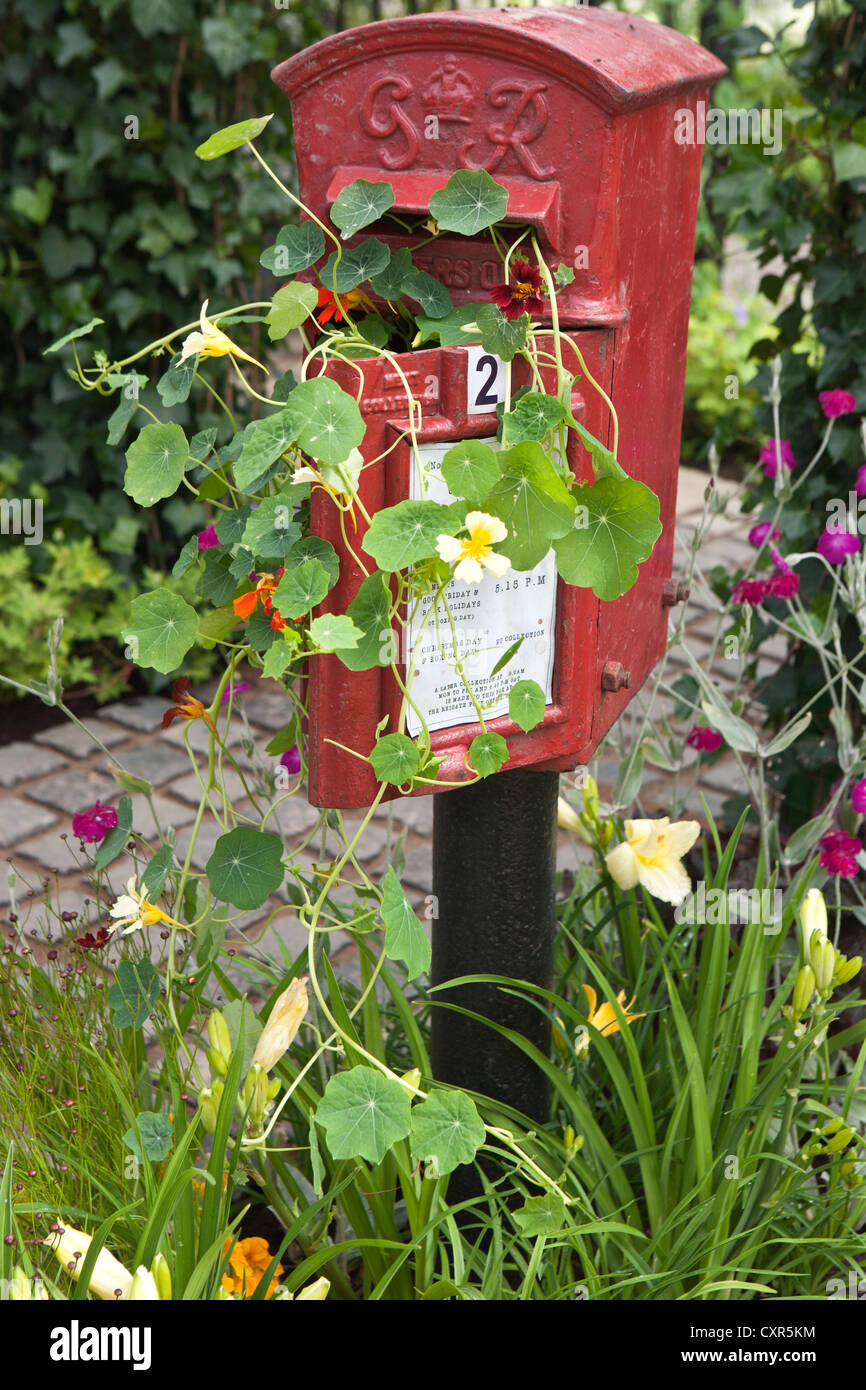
485	381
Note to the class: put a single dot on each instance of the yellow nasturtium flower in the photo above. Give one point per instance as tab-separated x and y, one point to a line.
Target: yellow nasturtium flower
133	911
210	341
484	532
650	855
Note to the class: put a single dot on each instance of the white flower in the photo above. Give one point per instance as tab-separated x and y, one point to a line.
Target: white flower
650	855
484	531
143	1288
109	1278
813	915
132	911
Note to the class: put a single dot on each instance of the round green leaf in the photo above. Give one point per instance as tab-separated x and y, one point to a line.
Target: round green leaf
534	503
334	632
356	265
532	418
271	529
363	1113
404	534
246	867
161	630
155	464
433	297
471	469
526	704
329	422
301	589
315	548
290	306
487	753
447	1128
370	611
264	441
231	137
499	335
395	759
295	249
470	201
616	526
156	1131
359	204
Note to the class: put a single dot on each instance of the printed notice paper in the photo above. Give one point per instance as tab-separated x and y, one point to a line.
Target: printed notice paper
488	618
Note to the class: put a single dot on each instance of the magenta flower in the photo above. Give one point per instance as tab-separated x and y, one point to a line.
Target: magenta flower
767	457
704	740
836	403
93	825
860	486
752	591
834	545
759	533
837	853
785	584
236	689
858	798
208	538
291	760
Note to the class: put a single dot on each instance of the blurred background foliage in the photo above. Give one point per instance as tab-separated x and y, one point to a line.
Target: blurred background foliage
110	214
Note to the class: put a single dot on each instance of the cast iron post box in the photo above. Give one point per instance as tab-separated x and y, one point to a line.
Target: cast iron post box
573	112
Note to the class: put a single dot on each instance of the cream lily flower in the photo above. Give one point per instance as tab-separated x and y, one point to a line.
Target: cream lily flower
281	1029
484	531
109	1278
316	1292
132	911
650	855
813	915
604	1018
210	341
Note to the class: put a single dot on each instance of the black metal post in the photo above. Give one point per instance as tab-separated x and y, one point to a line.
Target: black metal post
494	861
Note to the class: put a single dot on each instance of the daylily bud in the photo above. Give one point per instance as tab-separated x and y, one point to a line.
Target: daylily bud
823	959
220	1039
813	915
605	833
316	1292
847	969
24	1289
840	1141
410	1081
209	1099
568	819
255	1094
109	1278
590	797
281	1029
217	1063
143	1288
559	1039
804	988
162	1274
274	1088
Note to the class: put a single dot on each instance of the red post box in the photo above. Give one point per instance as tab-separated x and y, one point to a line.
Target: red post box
573	112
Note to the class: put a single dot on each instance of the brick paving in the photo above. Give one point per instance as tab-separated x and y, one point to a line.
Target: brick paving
45	781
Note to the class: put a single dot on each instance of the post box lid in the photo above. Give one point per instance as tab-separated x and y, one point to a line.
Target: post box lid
620	61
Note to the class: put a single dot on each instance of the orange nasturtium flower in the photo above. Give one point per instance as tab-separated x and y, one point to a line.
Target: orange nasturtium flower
604	1018
249	1260
185	706
264	590
328	306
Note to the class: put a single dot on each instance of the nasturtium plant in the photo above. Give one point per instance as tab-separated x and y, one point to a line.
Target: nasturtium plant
447	1129
405	937
246	867
363	1113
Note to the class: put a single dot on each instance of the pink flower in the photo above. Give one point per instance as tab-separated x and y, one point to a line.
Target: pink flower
208	538
860	486
858	798
837	853
836	403
759	533
767	457
236	689
93	825
704	740
834	545
784	585
291	760
752	591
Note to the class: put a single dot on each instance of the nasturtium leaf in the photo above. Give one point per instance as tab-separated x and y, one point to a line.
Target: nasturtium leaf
533	501
157	871
526	704
618	527
426	291
315	548
156	1131
487	753
447	1128
395	759
230	525
344	476
243	563
301	588
357	264
604	463
201	444
116	839
134	993
404	534
264	441
284	387
541	1216
295	249
329	422
155	464
499	335
246	867
161	630
370	611
216	625
81	332
218	583
451	329
126	407
334	632
470	201
363	1113
280	655
359	204
260	632
563	275
405	937
290	306
231	137
187	557
470	470
271	529
175	383
533	417
388	283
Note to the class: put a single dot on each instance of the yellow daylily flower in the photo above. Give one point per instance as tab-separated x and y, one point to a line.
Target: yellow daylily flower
281	1029
604	1018
484	531
132	911
210	341
650	855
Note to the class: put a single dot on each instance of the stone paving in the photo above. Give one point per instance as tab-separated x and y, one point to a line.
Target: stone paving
46	780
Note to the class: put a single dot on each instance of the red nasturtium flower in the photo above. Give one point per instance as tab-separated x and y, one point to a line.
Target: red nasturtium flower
185	706
524	296
328	306
89	942
264	590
